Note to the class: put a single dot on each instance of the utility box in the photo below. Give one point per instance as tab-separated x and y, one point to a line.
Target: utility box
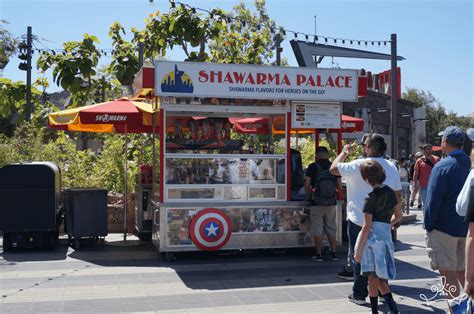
86	212
30	209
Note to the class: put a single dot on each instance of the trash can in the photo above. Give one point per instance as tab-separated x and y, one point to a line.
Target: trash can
30	212
86	212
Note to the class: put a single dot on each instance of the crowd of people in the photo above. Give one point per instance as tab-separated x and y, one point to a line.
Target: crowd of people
440	186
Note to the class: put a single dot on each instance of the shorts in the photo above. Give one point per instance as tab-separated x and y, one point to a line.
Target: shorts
445	252
323	219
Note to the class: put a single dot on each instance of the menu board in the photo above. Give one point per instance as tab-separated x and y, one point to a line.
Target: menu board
316	116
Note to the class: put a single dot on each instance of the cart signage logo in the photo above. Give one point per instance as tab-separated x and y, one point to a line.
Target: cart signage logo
255	82
110	118
346	125
210	229
177	82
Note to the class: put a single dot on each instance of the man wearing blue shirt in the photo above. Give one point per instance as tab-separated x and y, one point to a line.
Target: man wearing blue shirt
445	230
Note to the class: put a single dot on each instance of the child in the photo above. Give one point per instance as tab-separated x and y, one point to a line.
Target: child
374	248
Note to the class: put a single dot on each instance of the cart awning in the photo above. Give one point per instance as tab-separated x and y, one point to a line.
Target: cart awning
107	117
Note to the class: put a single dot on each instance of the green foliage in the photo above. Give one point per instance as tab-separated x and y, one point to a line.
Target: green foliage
438	118
248	41
13	98
124	64
8	45
78	168
74	70
179	27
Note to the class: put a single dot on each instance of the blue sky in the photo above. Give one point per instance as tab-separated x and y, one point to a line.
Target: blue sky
435	37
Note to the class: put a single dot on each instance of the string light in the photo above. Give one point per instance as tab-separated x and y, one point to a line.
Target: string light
229	20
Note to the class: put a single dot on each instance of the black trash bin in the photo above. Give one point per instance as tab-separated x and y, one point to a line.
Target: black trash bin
30	209
86	213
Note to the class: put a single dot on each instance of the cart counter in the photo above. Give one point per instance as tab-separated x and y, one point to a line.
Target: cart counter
179	227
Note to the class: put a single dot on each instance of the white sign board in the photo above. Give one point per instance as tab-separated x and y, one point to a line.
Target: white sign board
193	79
315	116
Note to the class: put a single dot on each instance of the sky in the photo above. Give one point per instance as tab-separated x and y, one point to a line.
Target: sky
434	36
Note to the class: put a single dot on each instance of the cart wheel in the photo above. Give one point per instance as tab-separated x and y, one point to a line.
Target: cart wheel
7	241
170	257
326	250
77	243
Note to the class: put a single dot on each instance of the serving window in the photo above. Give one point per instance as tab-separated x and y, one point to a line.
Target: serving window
225	156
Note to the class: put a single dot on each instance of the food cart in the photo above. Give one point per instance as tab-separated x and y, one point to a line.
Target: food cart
225	176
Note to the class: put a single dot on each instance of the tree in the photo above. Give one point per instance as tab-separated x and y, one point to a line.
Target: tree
124	64
8	45
216	36
436	114
74	69
247	41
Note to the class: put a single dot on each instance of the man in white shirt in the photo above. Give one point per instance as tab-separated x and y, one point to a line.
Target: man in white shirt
357	191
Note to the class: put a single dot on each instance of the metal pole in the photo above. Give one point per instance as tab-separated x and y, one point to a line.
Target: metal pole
140	55
394	96
278	54
315	33
153	158
103	89
125	189
28	72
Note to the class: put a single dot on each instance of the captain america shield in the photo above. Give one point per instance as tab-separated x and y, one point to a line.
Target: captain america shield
210	229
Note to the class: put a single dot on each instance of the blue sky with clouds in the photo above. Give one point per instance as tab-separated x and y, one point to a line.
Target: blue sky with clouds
435	37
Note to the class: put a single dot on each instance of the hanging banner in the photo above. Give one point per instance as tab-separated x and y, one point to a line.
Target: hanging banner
193	79
315	116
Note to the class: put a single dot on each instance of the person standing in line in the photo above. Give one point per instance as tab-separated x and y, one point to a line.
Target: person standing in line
465	208
374	248
445	230
469	275
323	209
415	187
357	191
347	273
423	168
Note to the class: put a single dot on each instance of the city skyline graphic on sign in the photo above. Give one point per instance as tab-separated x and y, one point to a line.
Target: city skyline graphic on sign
177	82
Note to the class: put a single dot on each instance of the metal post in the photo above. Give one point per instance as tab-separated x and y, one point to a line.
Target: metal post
153	148
125	189
29	38
278	54
103	89
394	88
140	55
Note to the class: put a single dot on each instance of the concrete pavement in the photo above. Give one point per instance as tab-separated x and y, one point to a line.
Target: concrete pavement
139	279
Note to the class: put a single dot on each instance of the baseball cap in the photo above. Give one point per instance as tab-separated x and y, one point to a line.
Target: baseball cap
470	133
322	149
453	135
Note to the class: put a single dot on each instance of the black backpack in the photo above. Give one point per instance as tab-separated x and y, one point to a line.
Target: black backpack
325	185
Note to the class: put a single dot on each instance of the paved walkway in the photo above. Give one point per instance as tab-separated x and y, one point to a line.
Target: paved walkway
138	279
